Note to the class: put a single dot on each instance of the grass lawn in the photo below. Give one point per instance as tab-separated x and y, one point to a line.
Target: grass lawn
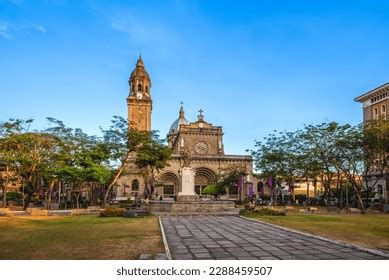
78	237
369	230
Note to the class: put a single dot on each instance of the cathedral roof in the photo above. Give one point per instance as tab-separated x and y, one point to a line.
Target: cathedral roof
181	120
140	71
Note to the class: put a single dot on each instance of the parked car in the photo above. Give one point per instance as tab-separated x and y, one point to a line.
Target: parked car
377	204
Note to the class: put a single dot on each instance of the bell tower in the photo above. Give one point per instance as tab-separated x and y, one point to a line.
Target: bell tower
139	100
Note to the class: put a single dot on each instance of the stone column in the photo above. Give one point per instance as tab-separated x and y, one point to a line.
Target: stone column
187	193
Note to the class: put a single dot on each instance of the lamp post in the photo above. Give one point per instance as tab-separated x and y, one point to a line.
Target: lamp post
179	180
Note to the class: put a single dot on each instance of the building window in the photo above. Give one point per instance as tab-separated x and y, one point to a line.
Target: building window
139	87
135	185
383	111
375	113
380	190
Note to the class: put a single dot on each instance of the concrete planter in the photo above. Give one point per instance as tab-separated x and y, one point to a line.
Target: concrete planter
191	207
37	212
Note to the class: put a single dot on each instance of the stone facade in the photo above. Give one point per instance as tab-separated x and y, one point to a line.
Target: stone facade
198	143
139	99
375	104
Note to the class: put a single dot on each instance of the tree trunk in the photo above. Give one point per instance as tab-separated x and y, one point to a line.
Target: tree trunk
328	194
77	196
30	189
27	202
120	171
50	192
359	198
94	194
307	182
4	197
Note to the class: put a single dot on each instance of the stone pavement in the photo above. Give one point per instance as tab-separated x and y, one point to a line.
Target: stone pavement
231	237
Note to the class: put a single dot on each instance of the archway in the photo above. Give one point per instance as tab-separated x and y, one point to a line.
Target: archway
204	176
169	183
260	188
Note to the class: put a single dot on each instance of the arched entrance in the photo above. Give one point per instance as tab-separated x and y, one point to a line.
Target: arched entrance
135	187
169	184
260	188
204	176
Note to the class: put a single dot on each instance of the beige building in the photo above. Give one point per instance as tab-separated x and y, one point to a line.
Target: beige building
199	140
375	104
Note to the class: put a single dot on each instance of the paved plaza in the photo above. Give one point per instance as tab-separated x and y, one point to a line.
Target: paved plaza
231	237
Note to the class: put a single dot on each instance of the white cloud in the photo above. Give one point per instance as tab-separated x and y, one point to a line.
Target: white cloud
7	29
5	35
39	28
16	2
142	30
4	30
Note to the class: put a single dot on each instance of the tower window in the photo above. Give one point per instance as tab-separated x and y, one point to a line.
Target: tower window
132	88
147	89
139	87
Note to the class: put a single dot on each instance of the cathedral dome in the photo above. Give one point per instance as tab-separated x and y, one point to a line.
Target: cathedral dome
175	127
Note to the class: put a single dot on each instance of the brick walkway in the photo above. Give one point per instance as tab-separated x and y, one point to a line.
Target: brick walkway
231	237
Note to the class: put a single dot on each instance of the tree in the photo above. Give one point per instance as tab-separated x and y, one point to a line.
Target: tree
27	153
280	157
228	177
319	143
350	157
152	156
81	161
376	152
122	143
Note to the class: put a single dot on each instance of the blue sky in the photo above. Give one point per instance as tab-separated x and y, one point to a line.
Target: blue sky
252	66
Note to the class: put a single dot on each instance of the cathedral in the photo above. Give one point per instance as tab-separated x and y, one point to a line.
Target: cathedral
199	140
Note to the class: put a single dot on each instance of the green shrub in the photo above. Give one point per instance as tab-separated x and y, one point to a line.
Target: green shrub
211	190
125	204
265	197
14	196
112	212
214	190
261	212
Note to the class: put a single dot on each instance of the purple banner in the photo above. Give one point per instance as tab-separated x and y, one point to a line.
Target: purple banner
270	182
251	190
